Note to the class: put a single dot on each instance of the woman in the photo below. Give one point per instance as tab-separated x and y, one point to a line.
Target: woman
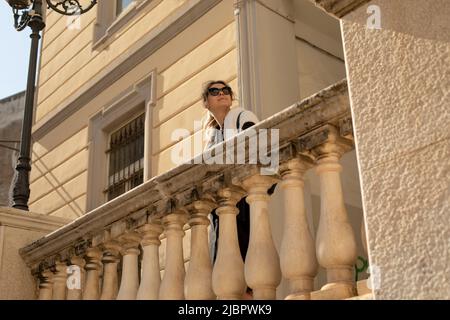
218	98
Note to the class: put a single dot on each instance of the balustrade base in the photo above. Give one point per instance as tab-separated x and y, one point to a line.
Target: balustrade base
299	296
336	291
367	296
362	287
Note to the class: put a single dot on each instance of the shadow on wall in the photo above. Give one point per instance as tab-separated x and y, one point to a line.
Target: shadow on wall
74	209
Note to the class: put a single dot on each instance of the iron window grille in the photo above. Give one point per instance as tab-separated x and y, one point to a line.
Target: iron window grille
126	158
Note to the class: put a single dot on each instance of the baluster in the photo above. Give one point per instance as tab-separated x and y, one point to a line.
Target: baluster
199	275
45	285
151	276
59	281
77	278
93	268
172	285
262	264
129	283
111	259
228	272
335	242
297	252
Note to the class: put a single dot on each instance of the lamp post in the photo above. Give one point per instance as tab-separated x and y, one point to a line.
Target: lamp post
29	13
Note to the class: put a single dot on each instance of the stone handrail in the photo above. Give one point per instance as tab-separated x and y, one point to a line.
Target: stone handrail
315	130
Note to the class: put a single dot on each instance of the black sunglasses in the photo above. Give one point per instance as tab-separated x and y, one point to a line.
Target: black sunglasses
215	91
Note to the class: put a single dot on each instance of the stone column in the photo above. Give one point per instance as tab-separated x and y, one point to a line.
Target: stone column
151	276
45	285
228	279
59	281
262	264
298	251
335	242
93	269
111	259
129	283
172	285
199	275
76	279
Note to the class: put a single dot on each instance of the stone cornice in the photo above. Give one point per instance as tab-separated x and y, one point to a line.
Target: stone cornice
31	221
339	8
146	46
174	190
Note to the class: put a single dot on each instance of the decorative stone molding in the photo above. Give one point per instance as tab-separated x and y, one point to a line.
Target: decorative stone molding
137	99
339	8
107	23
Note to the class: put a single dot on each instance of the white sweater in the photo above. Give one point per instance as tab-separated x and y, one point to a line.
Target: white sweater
215	136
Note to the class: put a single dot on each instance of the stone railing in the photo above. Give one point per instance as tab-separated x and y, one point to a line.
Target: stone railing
314	133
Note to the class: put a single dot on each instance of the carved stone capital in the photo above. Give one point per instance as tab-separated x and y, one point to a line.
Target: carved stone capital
229	196
129	243
150	233
111	251
324	142
93	256
257	186
199	211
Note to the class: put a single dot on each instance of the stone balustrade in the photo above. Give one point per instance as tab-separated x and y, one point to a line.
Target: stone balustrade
116	246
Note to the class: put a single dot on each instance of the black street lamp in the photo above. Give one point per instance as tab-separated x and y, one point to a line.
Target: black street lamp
29	13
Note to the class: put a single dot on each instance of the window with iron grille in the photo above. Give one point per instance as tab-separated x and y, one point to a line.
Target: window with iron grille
126	158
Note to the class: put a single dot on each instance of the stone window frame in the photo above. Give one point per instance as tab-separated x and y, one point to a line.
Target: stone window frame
135	100
108	23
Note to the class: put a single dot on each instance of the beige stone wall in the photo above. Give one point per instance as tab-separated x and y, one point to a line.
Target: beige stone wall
203	51
320	55
17	229
11	114
400	91
69	59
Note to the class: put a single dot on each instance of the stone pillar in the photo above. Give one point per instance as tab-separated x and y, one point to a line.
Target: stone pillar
76	279
59	281
151	276
335	242
228	272
129	283
46	285
111	259
397	58
93	269
199	275
298	252
262	264
172	285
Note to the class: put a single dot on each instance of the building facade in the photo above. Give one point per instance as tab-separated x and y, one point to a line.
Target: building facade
116	84
11	113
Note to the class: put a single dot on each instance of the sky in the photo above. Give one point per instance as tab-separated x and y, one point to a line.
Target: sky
14	54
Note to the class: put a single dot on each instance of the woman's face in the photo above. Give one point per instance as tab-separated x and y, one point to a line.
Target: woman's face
219	102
